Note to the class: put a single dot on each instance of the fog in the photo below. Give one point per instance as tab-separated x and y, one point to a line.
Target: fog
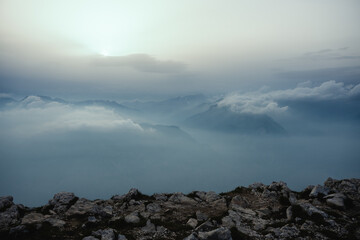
99	148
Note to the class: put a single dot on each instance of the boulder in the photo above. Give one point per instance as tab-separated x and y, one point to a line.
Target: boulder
221	233
5	202
83	207
33	218
62	201
9	217
132	218
105	234
319	190
192	222
336	200
149	227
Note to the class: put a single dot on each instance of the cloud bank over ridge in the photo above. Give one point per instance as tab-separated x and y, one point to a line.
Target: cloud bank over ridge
268	101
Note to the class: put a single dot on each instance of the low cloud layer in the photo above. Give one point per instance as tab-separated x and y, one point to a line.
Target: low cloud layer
141	62
268	101
35	116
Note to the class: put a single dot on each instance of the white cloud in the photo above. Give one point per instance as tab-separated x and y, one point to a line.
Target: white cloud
267	102
35	116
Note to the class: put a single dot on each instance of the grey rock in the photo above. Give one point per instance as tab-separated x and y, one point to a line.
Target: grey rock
149	227
62	200
227	222
160	197
289	232
18	231
92	219
221	233
211	196
132	218
90	238
336	200
311	210
106	211
289	213
33	218
132	194
153	208
200	216
9	217
192	236
206	226
5	202
83	207
319	190
192	222
181	198
106	234
239	200
54	222
121	237
257	185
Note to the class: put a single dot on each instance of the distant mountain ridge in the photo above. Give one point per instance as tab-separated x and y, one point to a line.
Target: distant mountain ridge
223	119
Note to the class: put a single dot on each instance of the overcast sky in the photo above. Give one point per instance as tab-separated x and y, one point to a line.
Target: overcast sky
118	49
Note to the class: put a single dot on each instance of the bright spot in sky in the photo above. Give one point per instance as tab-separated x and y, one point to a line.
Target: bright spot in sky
104	53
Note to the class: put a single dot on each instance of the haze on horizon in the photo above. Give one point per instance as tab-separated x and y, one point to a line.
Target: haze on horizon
97	97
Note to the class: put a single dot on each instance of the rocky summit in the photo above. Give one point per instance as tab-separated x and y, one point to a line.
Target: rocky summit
329	211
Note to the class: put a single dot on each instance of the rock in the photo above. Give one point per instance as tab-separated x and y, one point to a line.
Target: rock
289	213
211	196
9	217
62	201
257	185
181	198
219	234
153	208
160	197
227	222
289	232
336	200
192	236
132	218
54	222
201	216
92	219
83	207
5	202
33	218
149	227
132	194
106	211
311	210
319	190
192	222
90	238
121	237
106	234
240	201
206	226
18	231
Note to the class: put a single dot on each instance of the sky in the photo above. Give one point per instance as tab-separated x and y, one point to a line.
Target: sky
100	96
126	49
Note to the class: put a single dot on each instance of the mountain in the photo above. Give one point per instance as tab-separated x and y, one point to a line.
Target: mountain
224	120
5	101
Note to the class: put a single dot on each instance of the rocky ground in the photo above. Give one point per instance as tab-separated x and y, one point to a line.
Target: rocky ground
331	211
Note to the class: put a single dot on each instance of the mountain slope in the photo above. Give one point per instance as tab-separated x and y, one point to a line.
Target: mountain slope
224	120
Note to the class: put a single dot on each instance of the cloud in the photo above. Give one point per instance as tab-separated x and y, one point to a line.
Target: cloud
345	74
141	62
268	102
34	116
